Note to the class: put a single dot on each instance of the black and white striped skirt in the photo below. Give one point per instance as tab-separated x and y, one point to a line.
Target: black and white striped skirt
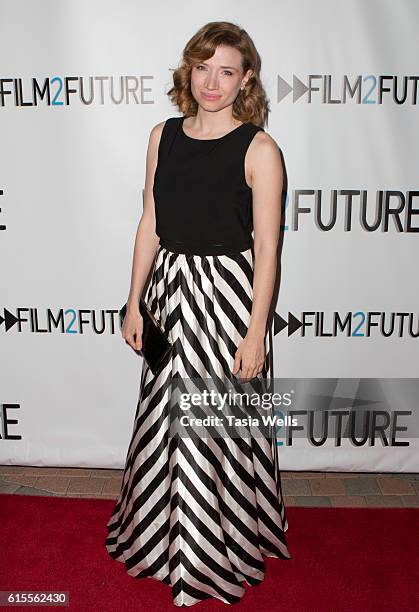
198	514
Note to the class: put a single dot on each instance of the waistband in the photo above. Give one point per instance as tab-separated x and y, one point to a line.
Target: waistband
206	248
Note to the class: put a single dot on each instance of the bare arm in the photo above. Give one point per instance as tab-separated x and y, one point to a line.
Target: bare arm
267	181
265	168
146	240
145	249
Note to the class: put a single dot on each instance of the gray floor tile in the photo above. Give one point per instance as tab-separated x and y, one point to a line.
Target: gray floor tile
361	486
8	487
33	491
312	500
296	487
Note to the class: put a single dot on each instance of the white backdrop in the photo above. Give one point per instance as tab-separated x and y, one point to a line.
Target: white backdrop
71	179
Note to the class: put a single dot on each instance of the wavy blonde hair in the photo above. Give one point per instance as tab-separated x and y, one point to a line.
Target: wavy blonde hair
251	104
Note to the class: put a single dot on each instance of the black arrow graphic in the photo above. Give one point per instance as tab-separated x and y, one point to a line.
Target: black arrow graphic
9	319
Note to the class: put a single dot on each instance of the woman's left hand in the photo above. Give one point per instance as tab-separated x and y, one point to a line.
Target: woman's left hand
249	357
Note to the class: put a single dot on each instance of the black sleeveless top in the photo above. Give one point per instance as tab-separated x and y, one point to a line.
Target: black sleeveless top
203	204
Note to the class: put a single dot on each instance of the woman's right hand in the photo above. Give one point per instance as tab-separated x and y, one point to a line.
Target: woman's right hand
132	328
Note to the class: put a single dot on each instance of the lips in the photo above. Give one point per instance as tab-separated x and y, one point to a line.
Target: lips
210	97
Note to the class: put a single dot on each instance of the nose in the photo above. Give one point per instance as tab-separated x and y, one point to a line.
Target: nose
212	81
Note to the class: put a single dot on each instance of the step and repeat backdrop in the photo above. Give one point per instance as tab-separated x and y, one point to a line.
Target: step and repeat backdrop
81	86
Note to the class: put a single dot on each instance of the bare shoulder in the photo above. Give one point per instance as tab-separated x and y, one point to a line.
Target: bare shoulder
156	132
262	158
154	142
263	142
263	151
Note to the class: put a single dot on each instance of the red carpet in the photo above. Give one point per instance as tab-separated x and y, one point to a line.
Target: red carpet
354	559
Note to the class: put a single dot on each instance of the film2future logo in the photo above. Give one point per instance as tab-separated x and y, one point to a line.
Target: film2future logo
136	89
362	89
357	324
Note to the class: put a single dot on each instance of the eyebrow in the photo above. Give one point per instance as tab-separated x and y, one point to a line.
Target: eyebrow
231	67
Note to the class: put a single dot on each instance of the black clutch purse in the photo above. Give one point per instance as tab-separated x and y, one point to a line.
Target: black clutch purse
156	345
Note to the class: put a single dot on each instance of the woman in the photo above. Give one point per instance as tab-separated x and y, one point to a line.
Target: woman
200	514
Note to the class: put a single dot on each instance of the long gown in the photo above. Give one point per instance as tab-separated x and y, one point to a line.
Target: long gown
198	513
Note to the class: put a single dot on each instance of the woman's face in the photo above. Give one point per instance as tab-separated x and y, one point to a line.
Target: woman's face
216	81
